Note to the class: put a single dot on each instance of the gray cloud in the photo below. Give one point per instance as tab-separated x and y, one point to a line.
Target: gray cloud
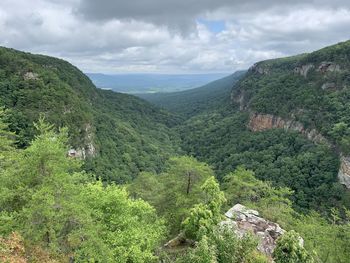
168	36
181	13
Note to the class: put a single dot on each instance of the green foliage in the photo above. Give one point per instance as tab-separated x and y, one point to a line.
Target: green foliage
203	253
241	186
45	197
291	95
289	250
203	217
328	240
130	228
129	135
223	246
195	101
175	191
286	159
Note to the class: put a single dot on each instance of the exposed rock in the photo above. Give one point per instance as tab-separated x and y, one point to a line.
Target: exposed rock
329	85
30	76
77	153
256	68
88	150
261	122
325	67
304	69
178	241
344	171
239	98
243	220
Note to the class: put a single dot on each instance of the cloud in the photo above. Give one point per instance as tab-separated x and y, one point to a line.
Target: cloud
114	36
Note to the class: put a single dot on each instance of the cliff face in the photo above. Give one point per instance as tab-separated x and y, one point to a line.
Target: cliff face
261	122
317	82
344	171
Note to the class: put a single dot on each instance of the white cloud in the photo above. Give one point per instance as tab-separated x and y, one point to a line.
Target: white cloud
166	37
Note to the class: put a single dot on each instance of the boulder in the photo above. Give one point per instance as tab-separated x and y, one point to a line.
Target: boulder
243	220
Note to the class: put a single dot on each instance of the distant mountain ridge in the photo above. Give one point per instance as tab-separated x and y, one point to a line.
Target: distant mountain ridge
194	101
150	83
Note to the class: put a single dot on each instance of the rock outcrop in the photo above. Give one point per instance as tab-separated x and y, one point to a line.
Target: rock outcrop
325	67
259	69
261	122
30	76
88	150
344	171
179	241
329	86
244	220
304	69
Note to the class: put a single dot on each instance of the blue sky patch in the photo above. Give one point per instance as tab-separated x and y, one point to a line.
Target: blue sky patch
215	26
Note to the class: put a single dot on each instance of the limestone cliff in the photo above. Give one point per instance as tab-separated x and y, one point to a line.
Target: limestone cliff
88	149
260	122
344	171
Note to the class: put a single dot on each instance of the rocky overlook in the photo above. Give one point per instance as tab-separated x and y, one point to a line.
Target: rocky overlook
243	220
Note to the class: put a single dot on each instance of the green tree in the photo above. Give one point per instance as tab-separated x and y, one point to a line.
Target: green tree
205	216
62	210
290	250
241	186
203	253
130	228
175	191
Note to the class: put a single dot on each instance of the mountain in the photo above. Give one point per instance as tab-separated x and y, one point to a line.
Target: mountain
194	101
274	139
288	121
150	83
124	134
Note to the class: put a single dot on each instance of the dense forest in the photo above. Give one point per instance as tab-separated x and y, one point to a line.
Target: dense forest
89	175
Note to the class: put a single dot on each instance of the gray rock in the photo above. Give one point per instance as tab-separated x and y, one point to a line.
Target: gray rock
325	67
30	76
328	85
243	220
304	69
344	171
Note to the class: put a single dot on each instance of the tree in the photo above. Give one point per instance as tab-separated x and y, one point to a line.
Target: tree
65	212
203	253
205	216
130	228
175	191
290	250
241	186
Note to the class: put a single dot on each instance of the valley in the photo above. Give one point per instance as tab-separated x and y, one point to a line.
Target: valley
143	170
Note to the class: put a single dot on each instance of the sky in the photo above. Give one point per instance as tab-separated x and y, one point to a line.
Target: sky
171	36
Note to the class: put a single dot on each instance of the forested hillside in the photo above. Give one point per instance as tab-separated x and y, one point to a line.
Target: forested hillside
311	88
123	134
191	102
307	97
